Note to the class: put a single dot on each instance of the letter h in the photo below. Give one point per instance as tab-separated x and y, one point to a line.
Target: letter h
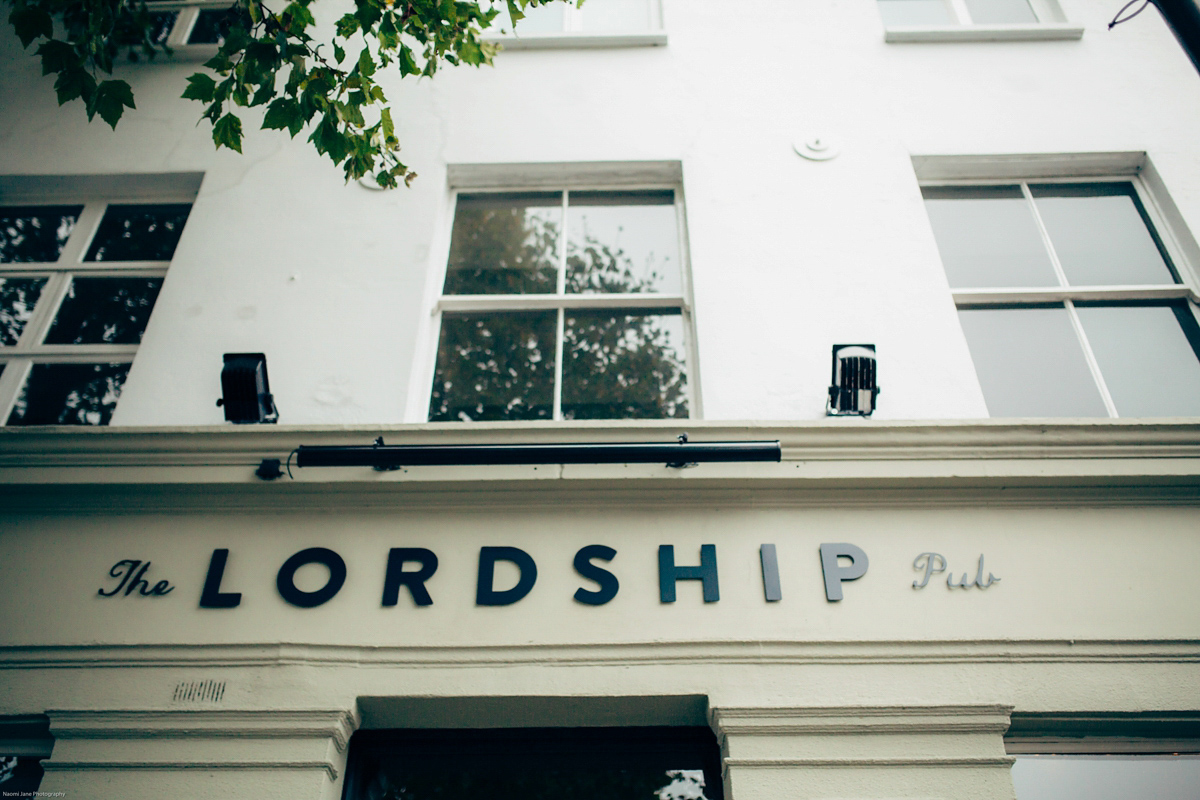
668	573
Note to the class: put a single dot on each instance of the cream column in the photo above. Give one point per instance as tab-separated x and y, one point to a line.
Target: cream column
285	754
892	752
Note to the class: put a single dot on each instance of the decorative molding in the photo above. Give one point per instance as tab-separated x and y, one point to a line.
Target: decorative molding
947	761
571	41
80	766
610	654
956	719
1032	32
119	469
335	725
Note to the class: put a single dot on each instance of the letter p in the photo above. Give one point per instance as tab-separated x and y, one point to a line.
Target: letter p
835	573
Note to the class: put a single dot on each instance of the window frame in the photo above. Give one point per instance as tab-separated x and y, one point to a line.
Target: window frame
19	359
573	35
1064	295
440	303
1051	23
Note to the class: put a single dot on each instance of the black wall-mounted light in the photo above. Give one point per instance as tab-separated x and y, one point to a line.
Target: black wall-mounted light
854	388
246	392
680	454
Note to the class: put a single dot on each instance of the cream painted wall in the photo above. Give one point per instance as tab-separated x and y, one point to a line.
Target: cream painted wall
788	256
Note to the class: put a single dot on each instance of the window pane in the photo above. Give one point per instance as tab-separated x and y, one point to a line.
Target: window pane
1030	363
624	366
914	12
616	15
34	234
17	299
543	19
105	311
158	31
988	237
494	366
1000	12
622	242
535	764
69	394
1147	362
139	233
1107	777
1100	236
212	25
505	244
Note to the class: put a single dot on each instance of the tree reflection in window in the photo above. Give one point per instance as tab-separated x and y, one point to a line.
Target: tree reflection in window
35	234
139	232
535	764
105	311
18	296
624	363
69	394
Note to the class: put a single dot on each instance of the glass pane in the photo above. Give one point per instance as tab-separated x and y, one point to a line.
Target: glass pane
505	244
543	19
1000	12
161	23
535	764
1107	777
988	237
1147	362
624	365
622	242
494	366
69	394
105	311
616	15
139	233
35	234
1100	235
17	299
1030	363
897	13
212	25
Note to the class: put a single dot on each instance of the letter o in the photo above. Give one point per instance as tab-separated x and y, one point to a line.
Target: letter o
286	580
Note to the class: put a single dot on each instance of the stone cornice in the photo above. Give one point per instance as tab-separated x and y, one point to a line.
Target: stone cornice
830	454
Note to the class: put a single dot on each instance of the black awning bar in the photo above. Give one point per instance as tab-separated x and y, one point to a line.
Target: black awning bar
392	456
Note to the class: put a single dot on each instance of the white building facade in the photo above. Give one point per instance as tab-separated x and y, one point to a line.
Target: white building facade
634	226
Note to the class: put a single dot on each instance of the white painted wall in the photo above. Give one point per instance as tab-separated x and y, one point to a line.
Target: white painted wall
788	256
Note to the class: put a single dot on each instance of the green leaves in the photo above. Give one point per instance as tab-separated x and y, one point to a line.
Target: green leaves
269	58
227	132
110	100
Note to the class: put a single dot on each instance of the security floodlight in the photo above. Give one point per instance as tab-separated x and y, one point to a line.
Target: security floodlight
247	393
854	389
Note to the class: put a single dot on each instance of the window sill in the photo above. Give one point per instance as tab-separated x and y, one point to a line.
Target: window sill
1034	32
569	41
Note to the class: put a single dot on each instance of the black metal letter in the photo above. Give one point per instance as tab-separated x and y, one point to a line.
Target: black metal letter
122	569
608	582
835	574
668	573
285	580
485	594
770	570
415	580
212	596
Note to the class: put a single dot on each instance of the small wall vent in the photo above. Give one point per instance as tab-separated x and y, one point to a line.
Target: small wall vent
199	692
854	388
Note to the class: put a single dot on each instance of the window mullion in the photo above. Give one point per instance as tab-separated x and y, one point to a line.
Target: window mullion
1090	357
85	228
560	322
958	9
1041	225
11	381
44	312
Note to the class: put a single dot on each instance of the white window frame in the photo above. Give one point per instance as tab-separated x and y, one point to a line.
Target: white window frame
1131	168
1051	24
573	36
19	359
181	29
480	179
